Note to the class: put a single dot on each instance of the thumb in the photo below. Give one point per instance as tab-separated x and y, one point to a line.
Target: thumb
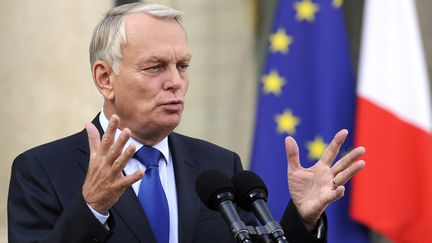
292	153
93	137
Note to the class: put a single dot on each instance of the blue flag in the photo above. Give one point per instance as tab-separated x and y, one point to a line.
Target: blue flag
307	90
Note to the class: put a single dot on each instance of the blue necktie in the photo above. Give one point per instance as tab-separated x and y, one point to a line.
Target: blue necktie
151	194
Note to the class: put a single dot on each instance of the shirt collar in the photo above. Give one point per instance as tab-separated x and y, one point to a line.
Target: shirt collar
162	146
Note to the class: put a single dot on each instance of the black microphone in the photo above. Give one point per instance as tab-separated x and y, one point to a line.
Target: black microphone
251	195
216	191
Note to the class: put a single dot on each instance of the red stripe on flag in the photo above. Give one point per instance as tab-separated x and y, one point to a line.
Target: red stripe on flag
393	194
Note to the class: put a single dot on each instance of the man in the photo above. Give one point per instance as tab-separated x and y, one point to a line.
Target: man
87	188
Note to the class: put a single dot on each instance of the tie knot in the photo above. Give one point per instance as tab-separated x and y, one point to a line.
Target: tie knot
148	156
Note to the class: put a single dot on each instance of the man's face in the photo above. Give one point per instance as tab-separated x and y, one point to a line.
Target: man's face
150	89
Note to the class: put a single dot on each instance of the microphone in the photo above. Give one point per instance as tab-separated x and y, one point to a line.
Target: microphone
251	195
216	191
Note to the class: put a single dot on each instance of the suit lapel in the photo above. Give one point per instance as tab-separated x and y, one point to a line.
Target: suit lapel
132	214
127	207
186	169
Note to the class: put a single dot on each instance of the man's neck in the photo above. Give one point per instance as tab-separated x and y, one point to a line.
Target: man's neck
147	139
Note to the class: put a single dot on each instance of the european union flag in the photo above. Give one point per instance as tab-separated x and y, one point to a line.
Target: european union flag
307	90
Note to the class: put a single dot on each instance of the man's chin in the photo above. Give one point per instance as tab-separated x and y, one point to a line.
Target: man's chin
168	124
172	124
152	134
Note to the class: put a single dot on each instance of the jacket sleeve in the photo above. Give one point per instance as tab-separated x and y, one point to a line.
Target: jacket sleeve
294	229
35	213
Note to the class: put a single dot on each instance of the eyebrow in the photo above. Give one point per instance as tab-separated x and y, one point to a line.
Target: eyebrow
188	57
155	58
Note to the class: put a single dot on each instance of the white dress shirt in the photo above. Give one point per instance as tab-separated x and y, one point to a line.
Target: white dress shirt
166	172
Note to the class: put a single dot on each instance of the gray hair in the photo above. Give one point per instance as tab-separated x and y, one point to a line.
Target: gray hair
109	34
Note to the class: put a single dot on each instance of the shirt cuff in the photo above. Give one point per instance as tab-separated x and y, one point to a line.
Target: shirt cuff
320	232
101	217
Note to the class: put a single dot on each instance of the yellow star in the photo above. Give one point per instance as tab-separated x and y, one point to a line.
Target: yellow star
286	122
280	41
306	10
273	83
337	3
316	148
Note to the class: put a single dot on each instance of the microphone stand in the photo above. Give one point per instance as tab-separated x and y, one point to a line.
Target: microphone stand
262	234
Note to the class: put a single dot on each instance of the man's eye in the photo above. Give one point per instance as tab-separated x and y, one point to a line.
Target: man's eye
154	68
183	66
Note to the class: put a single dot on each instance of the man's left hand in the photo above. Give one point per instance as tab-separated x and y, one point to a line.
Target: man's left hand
313	189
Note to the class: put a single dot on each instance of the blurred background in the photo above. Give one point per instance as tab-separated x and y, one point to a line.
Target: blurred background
48	93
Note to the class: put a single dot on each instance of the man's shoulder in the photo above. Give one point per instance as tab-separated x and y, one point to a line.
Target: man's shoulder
63	147
204	155
196	143
205	152
59	145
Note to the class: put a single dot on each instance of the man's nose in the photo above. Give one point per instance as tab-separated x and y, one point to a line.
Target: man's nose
174	80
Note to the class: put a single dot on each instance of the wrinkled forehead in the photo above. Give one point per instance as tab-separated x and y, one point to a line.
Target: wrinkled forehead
147	24
147	35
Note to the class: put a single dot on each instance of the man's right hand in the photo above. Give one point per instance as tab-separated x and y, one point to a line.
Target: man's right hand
105	182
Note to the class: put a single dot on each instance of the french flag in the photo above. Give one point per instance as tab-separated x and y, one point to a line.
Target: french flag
393	194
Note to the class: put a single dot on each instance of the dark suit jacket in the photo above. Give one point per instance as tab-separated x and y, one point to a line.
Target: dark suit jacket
45	202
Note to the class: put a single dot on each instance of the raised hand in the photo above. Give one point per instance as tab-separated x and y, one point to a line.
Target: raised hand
105	182
313	189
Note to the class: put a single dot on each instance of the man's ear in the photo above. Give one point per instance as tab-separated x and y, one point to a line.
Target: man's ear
102	77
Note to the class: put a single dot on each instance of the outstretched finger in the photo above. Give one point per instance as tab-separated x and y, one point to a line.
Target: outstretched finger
292	152
345	175
116	148
347	160
333	149
108	137
122	160
335	194
93	137
128	180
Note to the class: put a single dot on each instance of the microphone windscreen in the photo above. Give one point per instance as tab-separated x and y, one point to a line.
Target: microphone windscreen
248	187
209	184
